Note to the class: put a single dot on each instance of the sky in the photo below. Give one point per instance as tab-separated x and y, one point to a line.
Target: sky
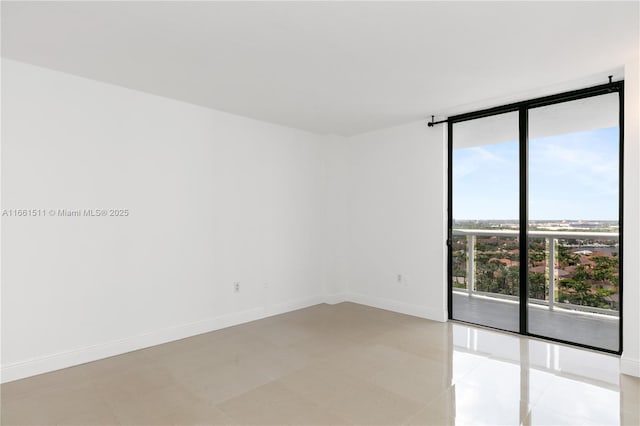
572	176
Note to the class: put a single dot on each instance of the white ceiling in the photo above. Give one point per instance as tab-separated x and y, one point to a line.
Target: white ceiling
328	67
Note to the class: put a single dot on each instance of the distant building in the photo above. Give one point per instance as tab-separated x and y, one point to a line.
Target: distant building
583	252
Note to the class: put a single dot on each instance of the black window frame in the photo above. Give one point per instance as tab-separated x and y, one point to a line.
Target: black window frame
523	108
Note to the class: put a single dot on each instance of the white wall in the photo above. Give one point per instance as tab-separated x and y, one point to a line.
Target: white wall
214	198
630	360
335	218
397	220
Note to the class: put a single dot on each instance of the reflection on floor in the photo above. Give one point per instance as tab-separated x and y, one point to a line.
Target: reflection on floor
594	330
333	365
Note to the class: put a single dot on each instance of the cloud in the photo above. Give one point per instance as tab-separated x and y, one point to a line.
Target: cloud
570	176
588	160
468	161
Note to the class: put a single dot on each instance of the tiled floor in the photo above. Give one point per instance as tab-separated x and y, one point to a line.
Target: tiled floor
594	330
333	365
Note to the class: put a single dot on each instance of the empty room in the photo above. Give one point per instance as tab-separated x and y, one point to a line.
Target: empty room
320	213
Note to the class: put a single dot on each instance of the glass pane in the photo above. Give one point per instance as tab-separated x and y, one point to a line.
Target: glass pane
485	198
573	221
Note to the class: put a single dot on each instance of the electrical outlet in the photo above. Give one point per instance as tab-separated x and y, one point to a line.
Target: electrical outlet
399	278
236	287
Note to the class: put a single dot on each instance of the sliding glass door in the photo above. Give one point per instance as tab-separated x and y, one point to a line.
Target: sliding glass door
574	256
535	217
486	221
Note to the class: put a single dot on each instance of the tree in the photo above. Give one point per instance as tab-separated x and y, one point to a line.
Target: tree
536	254
566	257
605	268
537	286
579	293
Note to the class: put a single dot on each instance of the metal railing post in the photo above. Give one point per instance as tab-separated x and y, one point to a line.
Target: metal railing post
471	264
552	270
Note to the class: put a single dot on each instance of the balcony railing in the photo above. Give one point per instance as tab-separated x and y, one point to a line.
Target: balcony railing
551	241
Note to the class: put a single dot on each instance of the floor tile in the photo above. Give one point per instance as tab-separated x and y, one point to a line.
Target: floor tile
335	365
220	382
74	404
274	404
420	381
374	406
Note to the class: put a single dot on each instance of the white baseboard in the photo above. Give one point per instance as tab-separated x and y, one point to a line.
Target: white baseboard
48	363
52	362
335	298
629	366
283	308
44	364
400	307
